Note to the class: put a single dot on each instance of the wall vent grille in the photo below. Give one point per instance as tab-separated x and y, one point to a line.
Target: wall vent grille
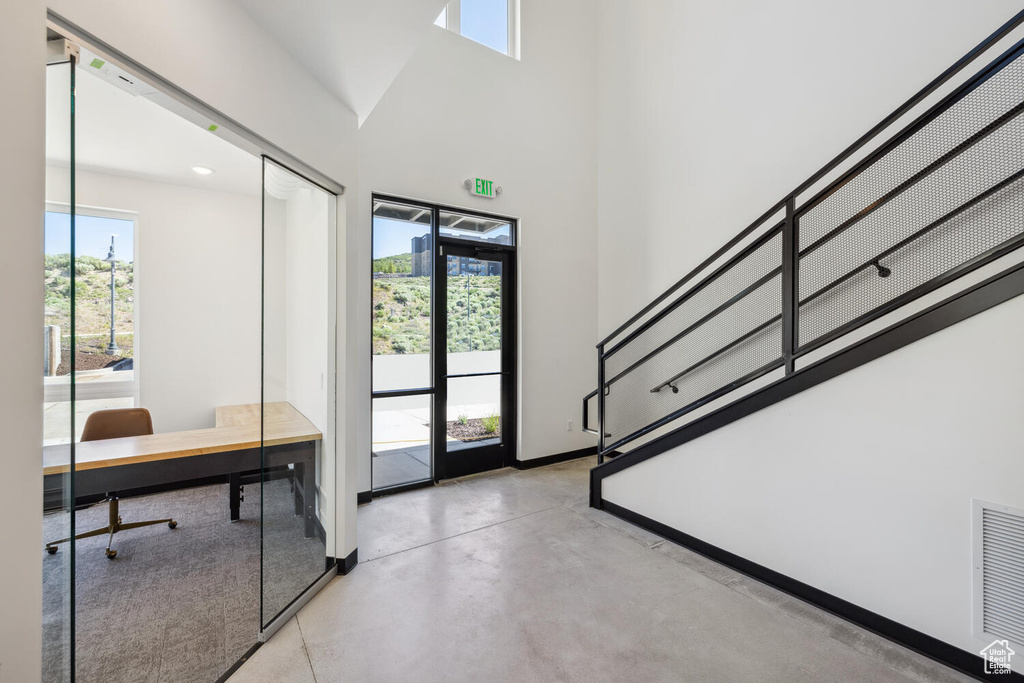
998	572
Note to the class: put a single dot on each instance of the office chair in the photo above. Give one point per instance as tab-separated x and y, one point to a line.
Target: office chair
114	424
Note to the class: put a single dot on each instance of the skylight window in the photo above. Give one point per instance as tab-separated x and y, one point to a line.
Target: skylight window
492	23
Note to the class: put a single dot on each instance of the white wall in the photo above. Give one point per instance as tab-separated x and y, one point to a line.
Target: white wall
21	310
459	110
862	486
194	351
710	113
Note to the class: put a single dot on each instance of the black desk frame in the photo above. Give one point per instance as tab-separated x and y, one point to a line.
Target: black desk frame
101	480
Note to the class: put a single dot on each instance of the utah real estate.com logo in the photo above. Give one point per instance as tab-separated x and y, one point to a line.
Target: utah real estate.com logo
997	657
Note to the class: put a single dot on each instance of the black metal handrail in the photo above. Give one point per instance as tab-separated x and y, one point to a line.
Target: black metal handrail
789	310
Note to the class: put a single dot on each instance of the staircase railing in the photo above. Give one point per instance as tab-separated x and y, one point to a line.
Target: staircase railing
871	231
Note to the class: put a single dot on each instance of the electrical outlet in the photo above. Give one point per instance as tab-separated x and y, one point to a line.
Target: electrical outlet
570	426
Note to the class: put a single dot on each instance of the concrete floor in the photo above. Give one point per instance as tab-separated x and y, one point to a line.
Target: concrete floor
509	576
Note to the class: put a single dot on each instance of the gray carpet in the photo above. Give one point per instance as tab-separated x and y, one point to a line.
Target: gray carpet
174	605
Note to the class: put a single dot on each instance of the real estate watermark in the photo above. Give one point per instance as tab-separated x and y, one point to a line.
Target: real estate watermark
997	657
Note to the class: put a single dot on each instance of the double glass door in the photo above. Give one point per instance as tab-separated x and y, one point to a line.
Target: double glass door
443	343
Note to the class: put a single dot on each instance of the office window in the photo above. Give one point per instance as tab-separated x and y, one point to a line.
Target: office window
104	363
493	23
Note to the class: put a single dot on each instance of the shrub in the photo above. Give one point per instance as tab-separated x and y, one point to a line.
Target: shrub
491	423
463	418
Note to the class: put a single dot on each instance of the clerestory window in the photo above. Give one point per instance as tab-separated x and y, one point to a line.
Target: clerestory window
493	23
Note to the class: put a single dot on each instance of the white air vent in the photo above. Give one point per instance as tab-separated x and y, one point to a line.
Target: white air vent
998	572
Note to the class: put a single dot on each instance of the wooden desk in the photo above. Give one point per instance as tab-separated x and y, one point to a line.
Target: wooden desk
230	448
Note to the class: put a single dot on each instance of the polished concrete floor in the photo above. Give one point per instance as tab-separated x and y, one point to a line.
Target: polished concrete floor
510	576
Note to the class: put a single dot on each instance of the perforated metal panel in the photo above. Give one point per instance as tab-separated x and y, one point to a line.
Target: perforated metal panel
712	338
949	193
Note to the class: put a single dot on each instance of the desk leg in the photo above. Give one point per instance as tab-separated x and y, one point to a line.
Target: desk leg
297	495
309	494
235	494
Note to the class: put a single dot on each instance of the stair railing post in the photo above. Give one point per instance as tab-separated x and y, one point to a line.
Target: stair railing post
790	294
600	404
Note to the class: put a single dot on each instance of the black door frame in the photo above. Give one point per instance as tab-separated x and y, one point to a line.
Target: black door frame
482	458
438	341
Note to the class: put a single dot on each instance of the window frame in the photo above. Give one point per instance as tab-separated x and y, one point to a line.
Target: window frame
453	22
120	215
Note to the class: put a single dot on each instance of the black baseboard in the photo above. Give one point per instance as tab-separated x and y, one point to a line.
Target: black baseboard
556	458
364	497
349	563
965	662
234	667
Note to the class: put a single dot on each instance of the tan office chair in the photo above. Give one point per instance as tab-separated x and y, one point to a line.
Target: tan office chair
114	424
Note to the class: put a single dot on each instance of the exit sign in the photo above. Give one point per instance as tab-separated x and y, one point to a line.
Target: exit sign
483	188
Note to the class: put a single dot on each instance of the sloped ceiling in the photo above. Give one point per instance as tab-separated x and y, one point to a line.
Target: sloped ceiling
355	48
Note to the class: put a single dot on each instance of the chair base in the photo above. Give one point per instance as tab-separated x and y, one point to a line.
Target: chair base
113	526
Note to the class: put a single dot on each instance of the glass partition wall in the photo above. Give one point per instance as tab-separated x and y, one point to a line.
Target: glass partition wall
189	497
58	386
298	388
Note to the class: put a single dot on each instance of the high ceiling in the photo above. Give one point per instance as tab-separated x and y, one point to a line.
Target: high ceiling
121	130
353	47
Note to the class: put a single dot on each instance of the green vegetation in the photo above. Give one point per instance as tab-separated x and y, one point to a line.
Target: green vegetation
400	263
490	423
401	314
463	418
92	298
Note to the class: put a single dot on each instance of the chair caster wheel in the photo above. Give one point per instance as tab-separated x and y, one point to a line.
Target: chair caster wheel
111	554
172	524
51	549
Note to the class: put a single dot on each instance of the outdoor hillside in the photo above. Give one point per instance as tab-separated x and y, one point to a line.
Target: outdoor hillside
92	306
401	314
399	263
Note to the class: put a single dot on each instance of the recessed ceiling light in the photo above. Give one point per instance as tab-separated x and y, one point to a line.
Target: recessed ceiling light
202	170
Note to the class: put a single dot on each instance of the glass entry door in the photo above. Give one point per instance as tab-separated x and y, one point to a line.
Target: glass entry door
475	374
443	359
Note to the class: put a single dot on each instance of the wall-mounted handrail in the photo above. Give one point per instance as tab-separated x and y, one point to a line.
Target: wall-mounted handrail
788	310
586	413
